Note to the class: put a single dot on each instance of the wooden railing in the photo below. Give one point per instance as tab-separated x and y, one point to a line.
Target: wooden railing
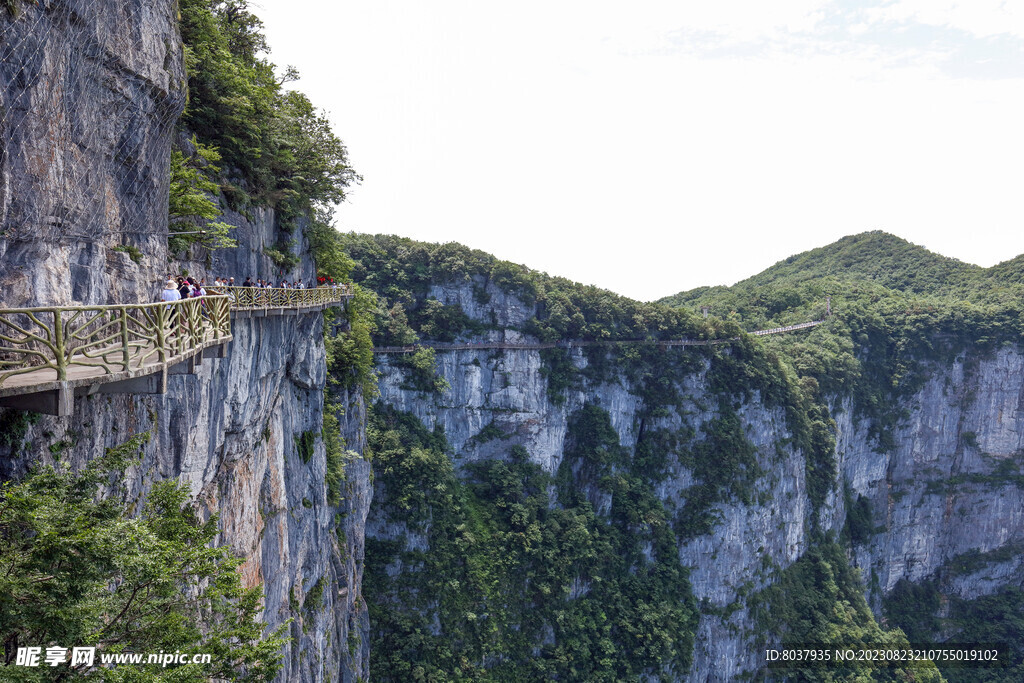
89	344
40	345
255	298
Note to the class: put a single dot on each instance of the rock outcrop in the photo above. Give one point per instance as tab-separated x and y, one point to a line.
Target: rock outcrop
89	96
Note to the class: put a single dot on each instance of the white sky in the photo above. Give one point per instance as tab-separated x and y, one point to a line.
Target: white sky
655	146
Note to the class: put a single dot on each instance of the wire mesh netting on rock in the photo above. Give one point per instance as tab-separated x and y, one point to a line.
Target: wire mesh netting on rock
90	91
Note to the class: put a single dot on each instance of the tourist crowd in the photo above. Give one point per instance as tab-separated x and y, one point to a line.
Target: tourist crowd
189	287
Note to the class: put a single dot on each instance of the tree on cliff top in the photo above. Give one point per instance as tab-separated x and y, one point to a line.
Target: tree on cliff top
282	147
77	571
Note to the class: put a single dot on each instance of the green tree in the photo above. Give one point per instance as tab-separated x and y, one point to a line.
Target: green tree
79	571
192	204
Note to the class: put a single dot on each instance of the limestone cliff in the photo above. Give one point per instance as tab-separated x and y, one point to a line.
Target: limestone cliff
949	488
89	96
90	93
232	432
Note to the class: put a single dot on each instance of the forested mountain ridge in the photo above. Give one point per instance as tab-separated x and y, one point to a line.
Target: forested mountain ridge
871	265
901	400
876	256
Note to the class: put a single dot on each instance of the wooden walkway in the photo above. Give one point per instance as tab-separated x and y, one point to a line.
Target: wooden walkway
48	356
571	343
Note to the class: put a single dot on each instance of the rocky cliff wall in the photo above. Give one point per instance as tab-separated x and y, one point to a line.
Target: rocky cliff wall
232	432
90	92
951	485
89	95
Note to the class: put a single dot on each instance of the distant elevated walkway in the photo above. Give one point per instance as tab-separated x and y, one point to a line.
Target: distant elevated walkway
50	355
570	343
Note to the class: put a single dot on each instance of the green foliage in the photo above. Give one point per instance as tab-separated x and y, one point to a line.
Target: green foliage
192	204
913	607
422	375
558	368
974	560
14	426
995	619
334	451
490	432
507	564
819	600
350	354
328	247
274	138
443	322
401	272
314	598
282	256
305	444
724	465
858	519
134	253
80	571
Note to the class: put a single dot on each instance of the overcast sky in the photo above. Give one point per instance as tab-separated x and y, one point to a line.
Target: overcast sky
652	147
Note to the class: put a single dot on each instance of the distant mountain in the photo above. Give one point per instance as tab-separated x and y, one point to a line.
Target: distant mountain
872	263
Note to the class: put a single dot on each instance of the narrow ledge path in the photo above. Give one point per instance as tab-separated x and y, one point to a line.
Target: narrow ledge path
571	343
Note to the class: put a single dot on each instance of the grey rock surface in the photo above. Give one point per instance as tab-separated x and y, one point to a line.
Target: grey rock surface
933	498
230	432
89	95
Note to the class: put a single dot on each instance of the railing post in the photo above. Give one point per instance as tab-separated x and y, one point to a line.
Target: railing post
161	341
124	338
215	313
58	343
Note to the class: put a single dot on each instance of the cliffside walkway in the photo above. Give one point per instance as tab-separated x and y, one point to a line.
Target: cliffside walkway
570	343
50	355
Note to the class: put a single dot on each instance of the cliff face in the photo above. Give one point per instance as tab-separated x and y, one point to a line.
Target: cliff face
950	486
89	95
232	432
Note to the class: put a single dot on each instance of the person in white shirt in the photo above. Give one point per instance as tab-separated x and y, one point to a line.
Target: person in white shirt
170	292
